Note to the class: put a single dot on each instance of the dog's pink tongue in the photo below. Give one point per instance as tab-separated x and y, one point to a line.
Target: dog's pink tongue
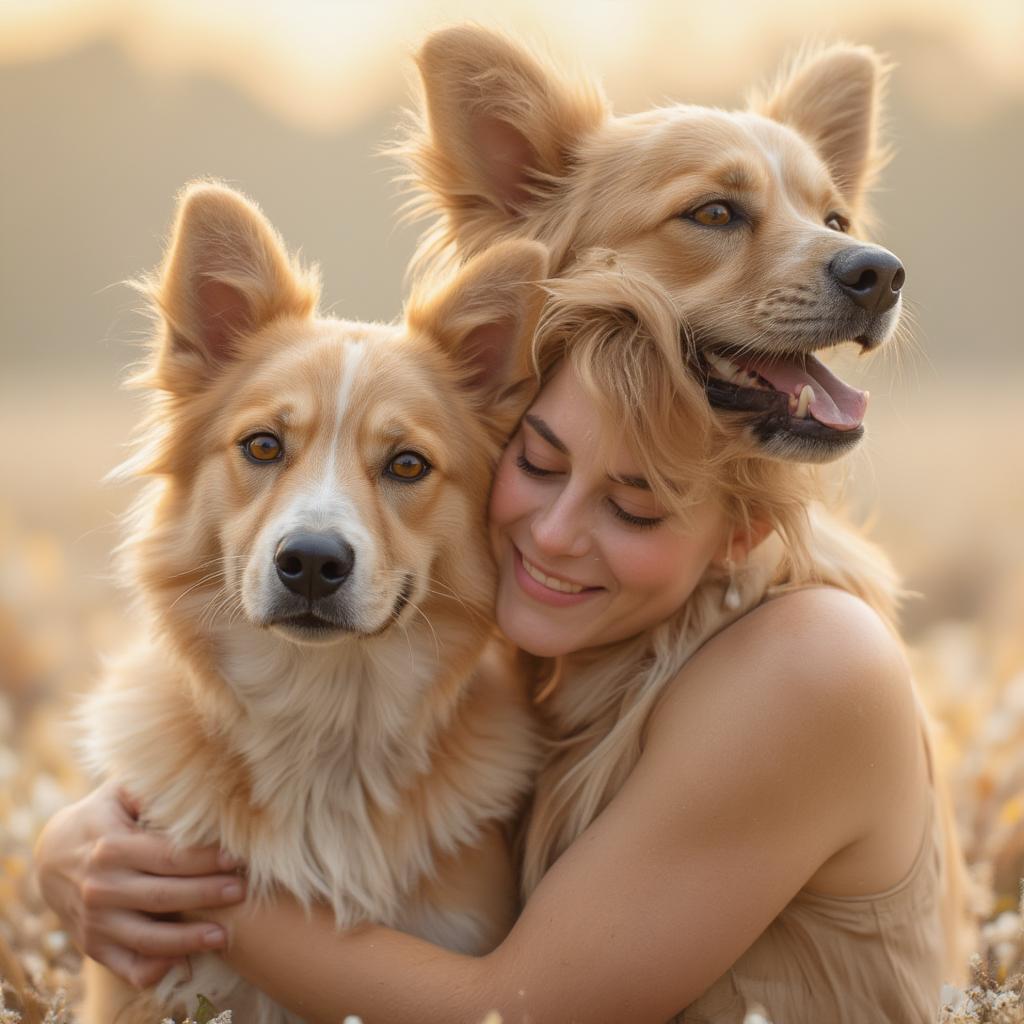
835	403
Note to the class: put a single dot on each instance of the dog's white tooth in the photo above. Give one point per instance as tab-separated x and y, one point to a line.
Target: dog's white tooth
726	367
806	394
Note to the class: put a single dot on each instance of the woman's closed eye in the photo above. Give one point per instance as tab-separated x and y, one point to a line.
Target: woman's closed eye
530	468
642	522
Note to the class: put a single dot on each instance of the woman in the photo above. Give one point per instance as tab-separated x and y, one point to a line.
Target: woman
739	805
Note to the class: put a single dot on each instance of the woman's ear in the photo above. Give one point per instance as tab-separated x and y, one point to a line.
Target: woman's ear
740	541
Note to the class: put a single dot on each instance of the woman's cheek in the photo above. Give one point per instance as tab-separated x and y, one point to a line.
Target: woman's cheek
641	562
659	563
501	509
508	493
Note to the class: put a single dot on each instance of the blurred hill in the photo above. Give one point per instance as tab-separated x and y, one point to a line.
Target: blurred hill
96	148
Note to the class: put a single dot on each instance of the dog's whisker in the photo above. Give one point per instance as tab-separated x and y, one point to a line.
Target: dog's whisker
218	605
449	592
205	581
430	626
208	564
408	644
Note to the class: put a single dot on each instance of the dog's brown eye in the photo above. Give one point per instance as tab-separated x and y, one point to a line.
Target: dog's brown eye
837	222
713	215
408	466
262	448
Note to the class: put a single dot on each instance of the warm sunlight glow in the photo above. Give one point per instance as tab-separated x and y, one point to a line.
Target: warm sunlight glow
324	65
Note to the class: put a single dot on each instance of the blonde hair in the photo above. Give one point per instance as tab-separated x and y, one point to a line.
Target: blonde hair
620	333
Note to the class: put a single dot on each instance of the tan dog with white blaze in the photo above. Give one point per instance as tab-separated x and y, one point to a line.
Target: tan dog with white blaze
318	690
745	218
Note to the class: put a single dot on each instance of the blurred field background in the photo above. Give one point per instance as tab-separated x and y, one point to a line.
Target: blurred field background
107	108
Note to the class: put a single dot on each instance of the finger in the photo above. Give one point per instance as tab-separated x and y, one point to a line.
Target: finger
117	805
131	806
138	971
157	894
162	939
154	854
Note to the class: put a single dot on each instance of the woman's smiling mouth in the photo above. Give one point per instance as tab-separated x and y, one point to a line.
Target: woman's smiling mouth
549	589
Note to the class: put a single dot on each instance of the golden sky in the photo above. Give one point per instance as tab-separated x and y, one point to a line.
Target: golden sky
327	64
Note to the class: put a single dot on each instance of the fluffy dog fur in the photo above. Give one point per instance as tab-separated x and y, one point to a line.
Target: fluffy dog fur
506	146
364	747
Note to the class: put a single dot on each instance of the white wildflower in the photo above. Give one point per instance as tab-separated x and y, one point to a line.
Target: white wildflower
1005	928
951	996
55	943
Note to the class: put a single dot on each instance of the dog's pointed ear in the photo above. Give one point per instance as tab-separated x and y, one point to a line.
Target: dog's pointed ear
833	99
485	316
497	125
226	274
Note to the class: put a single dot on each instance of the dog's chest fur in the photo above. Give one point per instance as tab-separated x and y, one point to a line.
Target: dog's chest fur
341	775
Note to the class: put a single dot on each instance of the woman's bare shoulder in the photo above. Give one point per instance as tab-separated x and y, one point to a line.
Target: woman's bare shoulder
812	680
812	614
817	642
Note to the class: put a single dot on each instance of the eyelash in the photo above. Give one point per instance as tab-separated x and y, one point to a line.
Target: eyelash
640	522
529	468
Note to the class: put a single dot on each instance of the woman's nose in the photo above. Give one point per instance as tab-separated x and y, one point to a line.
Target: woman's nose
561	528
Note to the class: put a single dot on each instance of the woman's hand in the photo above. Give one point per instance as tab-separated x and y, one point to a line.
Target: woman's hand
107	879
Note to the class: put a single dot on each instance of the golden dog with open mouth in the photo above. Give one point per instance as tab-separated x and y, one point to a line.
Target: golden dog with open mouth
317	689
747	219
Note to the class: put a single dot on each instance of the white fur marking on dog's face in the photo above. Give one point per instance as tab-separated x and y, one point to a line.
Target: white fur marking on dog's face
329	488
354	352
324	503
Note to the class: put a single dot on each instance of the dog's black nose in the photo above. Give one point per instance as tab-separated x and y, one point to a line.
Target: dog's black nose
313	565
870	275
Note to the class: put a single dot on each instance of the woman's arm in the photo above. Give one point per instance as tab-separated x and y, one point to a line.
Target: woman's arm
105	876
786	743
